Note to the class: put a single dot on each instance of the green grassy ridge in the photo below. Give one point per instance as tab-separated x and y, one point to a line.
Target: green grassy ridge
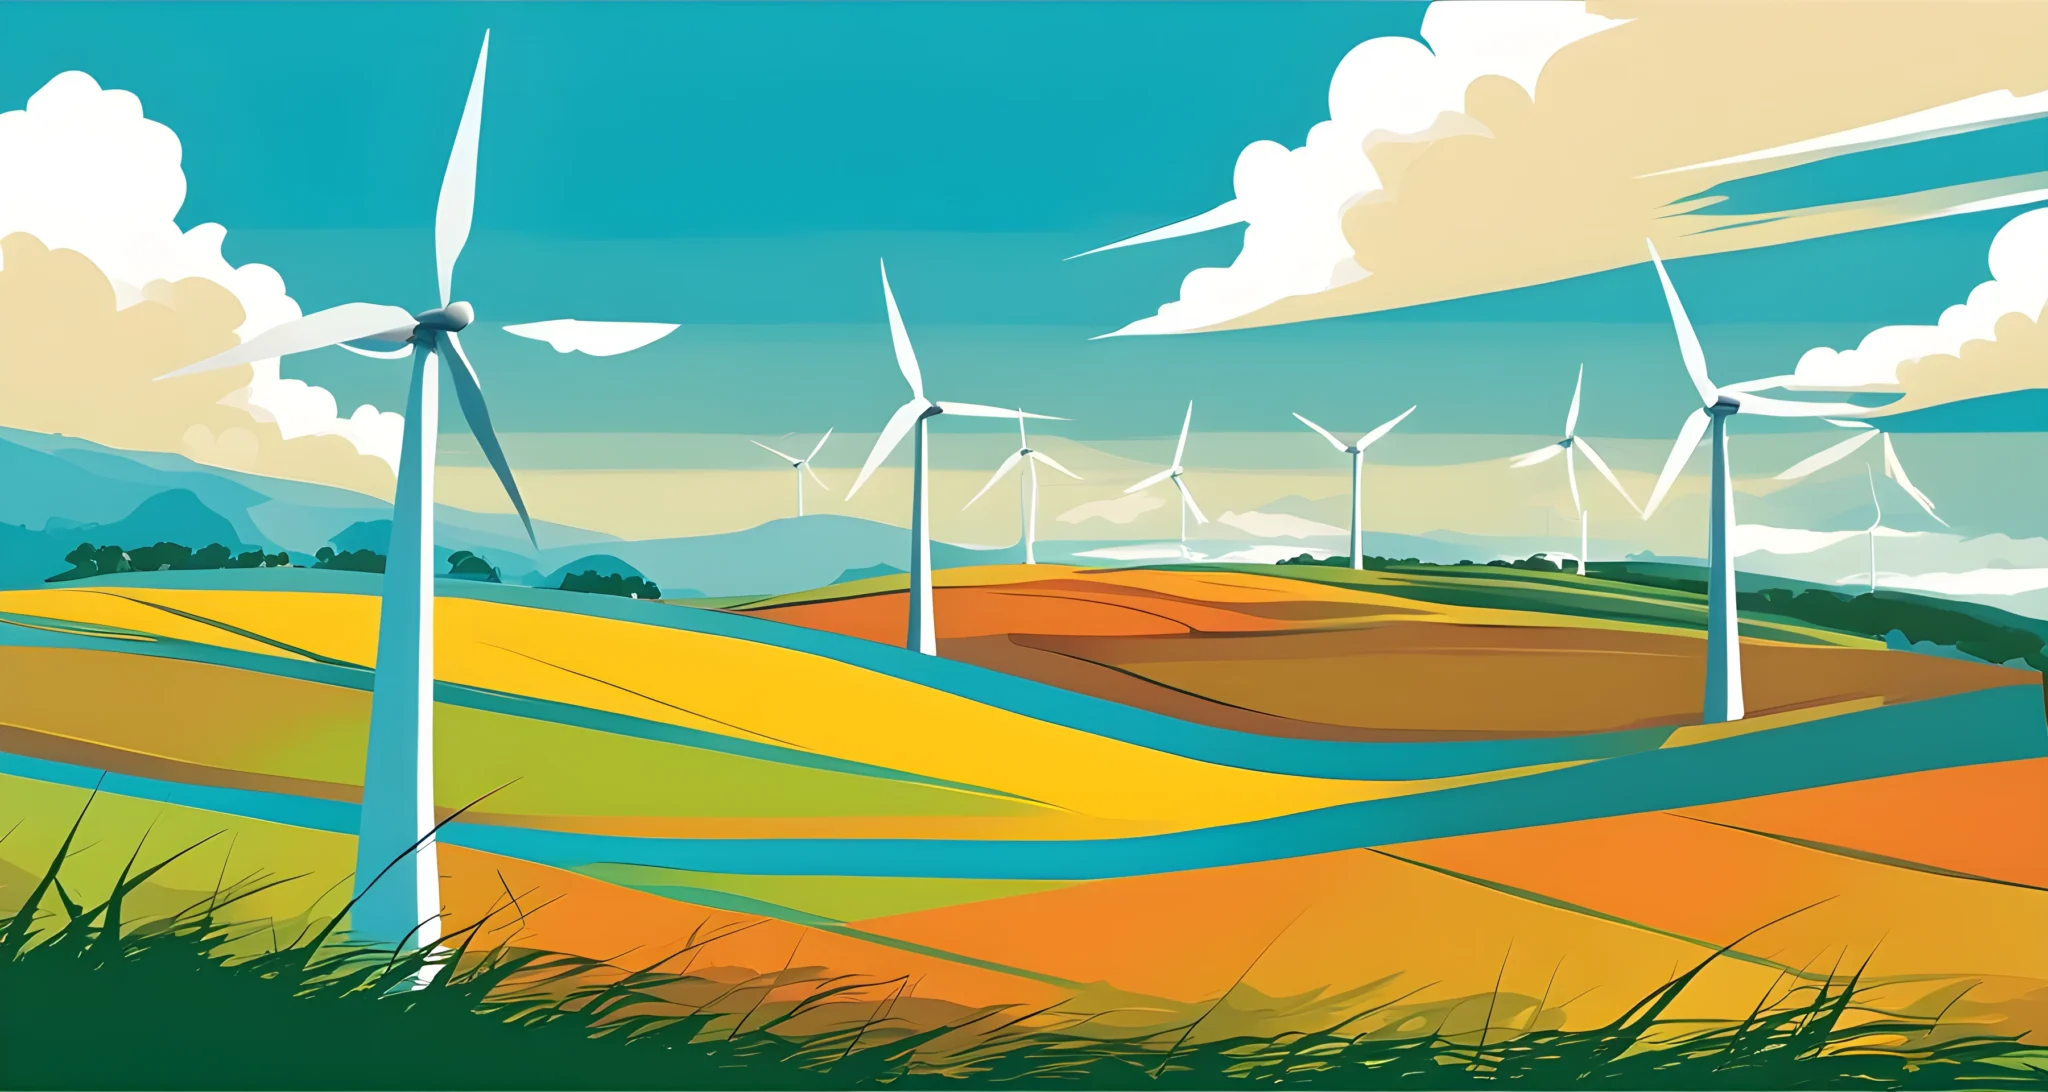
90	1000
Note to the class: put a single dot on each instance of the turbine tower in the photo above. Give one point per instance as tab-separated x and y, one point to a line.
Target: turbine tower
1029	486
1357	453
1876	520
1569	447
1723	699
397	877
910	418
801	466
1172	473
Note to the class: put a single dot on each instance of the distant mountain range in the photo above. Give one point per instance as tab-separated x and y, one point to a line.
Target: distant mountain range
59	491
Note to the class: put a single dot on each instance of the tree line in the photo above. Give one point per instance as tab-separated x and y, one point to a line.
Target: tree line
90	560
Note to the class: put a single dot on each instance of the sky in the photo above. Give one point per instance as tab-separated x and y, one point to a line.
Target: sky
740	168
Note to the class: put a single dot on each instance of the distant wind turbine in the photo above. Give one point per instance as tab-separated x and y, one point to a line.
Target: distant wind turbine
397	877
1172	473
1031	459
1893	469
1570	446
1876	519
801	466
1357	453
909	419
1723	699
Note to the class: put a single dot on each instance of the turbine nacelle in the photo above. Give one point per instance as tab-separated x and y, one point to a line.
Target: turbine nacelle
453	318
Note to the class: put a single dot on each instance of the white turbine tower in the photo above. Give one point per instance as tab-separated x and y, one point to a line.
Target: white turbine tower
1031	458
1876	519
397	878
1172	473
1570	446
909	419
1357	453
801	466
1835	453
1723	699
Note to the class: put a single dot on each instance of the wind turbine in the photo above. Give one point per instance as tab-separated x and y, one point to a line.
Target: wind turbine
1570	446
1031	459
1723	699
910	418
397	877
801	466
1357	453
1866	432
1172	473
1875	521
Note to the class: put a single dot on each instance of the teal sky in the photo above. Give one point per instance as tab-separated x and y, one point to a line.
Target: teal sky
739	168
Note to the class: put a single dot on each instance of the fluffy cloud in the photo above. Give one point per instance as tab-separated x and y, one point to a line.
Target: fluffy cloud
1277	525
80	363
1453	170
82	170
1989	344
1118	510
593	338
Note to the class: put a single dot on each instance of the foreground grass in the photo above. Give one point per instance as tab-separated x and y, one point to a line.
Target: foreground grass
88	1000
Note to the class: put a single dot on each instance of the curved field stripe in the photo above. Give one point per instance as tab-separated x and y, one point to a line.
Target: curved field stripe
1978	727
1340	760
1331	759
468	697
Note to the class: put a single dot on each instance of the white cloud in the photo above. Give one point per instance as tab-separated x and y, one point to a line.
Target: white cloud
1269	554
1752	538
1973	582
1119	510
82	169
2018	286
1392	89
1277	525
593	338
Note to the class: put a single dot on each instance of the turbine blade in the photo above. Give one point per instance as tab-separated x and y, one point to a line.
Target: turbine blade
972	409
906	357
994	478
1373	437
1897	472
1688	341
1779	407
1048	461
1850	424
816	478
1689	436
1182	447
783	455
820	447
893	433
349	322
1571	474
1769	382
1874	505
1023	440
1187	497
1571	416
1829	457
1600	464
1151	481
359	347
1541	455
458	185
469	393
1325	433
